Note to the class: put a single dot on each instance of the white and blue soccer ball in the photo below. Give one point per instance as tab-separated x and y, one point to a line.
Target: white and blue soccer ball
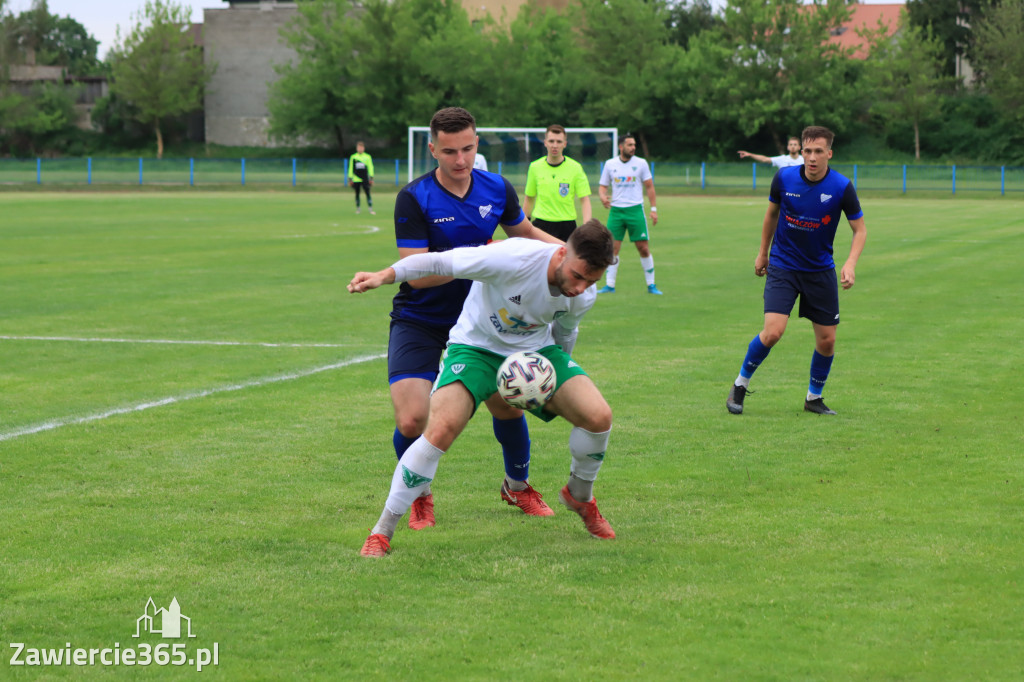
526	380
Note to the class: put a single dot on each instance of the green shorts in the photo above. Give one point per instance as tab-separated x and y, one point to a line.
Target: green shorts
628	219
477	369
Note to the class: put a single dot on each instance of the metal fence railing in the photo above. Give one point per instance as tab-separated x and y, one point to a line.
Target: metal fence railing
296	171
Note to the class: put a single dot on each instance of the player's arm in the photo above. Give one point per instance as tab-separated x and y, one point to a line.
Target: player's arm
771	220
369	169
756	157
848	275
418	266
602	194
423	282
528	205
653	199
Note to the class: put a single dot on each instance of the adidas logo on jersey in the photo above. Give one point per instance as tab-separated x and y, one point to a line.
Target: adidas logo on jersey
825	197
515	300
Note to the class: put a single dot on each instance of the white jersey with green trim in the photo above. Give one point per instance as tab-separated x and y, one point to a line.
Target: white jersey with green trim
511	306
626	178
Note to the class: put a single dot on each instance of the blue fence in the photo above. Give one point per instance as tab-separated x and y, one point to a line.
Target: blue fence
394	172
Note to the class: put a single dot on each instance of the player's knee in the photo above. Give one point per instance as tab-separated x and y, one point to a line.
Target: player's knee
771	336
411	424
826	346
598	420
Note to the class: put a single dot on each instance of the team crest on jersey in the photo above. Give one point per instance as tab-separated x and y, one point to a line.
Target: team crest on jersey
825	197
486	210
563	189
458	367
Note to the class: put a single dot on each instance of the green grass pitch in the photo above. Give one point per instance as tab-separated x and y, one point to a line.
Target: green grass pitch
192	407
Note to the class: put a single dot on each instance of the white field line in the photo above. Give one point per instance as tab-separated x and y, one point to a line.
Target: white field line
79	339
70	421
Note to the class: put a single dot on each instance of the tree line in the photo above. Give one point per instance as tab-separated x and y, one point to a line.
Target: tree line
689	82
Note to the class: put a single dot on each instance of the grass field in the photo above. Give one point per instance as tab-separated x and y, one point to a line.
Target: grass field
192	407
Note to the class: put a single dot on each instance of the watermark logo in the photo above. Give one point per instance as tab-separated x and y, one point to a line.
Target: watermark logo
168	622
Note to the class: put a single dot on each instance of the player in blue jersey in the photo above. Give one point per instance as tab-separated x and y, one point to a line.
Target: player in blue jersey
804	208
451	206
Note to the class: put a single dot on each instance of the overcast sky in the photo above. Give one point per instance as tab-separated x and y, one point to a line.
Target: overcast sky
102	17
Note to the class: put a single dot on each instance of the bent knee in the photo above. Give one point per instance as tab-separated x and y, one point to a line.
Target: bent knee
411	425
598	421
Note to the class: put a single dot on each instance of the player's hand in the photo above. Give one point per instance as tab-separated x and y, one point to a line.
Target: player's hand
364	281
371	182
847	276
760	266
606	202
654	217
743	155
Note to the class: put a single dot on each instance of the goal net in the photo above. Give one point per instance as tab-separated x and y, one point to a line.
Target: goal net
509	151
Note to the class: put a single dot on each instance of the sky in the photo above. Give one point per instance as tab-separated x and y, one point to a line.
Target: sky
102	17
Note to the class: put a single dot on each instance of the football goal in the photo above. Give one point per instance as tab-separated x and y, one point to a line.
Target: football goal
509	151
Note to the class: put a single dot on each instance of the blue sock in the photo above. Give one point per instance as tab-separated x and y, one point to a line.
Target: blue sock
820	366
514	437
756	353
401	443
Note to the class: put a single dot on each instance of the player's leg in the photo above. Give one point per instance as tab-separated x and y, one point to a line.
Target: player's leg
356	186
369	199
514	435
451	407
819	303
617	226
414	351
780	293
639	235
580	402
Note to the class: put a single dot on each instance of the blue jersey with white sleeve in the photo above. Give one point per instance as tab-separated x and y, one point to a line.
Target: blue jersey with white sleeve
429	216
809	215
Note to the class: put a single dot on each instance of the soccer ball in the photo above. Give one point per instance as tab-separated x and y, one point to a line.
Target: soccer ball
526	380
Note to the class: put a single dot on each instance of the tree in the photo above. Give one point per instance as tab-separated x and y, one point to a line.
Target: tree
950	22
1000	56
686	18
629	82
157	67
770	66
904	74
28	121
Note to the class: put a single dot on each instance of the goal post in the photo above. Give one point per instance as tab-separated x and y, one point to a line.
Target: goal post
509	151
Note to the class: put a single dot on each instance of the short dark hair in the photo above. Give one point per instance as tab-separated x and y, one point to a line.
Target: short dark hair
556	129
451	120
817	133
592	242
627	136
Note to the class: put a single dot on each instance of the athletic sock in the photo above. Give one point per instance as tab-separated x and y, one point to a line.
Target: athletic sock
820	367
401	443
610	273
514	436
648	263
412	476
587	450
756	353
514	485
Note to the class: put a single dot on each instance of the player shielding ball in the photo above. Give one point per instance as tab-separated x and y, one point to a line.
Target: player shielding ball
526	296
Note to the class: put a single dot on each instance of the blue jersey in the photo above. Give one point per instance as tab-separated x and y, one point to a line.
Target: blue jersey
808	218
429	216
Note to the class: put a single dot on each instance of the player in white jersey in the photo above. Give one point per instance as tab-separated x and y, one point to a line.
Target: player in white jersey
629	177
480	162
526	295
792	157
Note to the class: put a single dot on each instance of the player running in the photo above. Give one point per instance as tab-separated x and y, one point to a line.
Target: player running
804	207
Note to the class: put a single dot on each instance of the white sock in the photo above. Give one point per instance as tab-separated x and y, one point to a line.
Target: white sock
648	264
609	274
742	381
813	396
587	450
412	475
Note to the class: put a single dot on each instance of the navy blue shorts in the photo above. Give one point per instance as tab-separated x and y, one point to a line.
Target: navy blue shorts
818	292
414	349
